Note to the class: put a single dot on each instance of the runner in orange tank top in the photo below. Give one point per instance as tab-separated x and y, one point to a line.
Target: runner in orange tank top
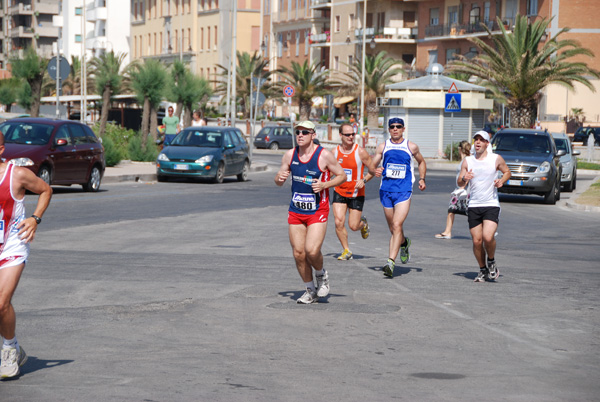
351	194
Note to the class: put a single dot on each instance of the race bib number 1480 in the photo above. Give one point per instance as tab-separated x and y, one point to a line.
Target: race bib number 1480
305	202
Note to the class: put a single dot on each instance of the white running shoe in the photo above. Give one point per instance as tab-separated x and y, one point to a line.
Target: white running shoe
322	285
310	296
12	361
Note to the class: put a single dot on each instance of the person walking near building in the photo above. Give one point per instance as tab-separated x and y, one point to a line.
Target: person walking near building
460	196
480	172
310	167
16	232
397	179
196	120
350	195
171	124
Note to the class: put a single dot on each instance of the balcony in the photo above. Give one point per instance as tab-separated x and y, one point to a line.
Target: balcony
453	31
21	32
315	4
46	8
318	40
47	31
21	9
96	14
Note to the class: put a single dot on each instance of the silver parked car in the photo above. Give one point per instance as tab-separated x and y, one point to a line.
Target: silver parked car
568	161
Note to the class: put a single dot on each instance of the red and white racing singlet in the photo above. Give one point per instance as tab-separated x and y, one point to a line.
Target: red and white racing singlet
13	250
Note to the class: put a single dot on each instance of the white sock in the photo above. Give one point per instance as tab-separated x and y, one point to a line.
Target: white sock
309	285
320	273
10	343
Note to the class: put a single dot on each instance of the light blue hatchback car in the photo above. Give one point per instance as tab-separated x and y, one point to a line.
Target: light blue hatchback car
205	152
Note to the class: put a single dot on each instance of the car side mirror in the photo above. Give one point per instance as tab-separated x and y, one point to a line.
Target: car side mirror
560	152
61	142
576	153
229	146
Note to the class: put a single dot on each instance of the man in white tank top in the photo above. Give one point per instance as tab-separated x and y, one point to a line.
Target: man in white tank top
16	233
481	171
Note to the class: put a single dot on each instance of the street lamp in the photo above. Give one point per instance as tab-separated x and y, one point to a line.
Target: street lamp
362	75
372	44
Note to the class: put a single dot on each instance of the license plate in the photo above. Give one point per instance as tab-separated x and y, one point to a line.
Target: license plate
515	182
181	167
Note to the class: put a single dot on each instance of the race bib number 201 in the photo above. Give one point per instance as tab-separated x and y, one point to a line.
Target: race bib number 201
395	171
305	202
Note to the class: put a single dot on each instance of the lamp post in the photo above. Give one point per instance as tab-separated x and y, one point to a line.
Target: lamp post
362	71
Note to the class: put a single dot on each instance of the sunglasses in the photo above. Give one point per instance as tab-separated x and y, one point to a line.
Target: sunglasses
349	135
303	132
396	126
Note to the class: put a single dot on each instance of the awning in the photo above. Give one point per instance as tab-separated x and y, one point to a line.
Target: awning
343	100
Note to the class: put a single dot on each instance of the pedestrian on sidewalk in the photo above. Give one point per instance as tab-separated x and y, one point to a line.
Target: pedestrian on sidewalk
480	172
310	167
350	195
16	232
397	179
459	198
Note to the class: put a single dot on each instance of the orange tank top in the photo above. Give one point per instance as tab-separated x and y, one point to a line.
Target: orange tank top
354	169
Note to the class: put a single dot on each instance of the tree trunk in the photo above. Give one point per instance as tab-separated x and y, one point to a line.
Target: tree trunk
179	110
145	121
305	107
187	117
153	122
36	93
105	109
522	115
372	114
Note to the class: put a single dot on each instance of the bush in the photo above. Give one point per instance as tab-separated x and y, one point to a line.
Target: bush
455	154
112	153
121	143
137	153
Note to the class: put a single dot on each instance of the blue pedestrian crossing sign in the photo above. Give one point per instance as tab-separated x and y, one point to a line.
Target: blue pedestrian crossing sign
453	103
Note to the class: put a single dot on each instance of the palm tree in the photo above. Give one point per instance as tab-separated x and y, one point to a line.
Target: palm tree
31	70
187	90
308	81
72	85
518	65
248	66
107	78
380	70
149	81
177	85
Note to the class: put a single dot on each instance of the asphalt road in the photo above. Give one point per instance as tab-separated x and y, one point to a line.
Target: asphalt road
186	291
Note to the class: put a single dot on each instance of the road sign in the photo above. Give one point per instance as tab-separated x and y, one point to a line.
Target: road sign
453	103
289	91
453	89
64	68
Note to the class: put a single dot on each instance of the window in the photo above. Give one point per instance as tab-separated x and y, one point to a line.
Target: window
216	37
380	22
434	16
532	7
451	54
208	38
350	62
306	44
486	11
433	57
79	136
337	23
474	16
351	21
409	19
77	38
336	63
63	134
201	38
78	11
279	45
453	15
297	43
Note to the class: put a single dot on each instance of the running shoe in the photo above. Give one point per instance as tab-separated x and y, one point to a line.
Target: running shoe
322	284
365	229
493	269
404	254
388	268
346	255
482	276
310	296
12	361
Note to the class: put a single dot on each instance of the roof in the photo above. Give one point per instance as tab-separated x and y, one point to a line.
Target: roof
434	83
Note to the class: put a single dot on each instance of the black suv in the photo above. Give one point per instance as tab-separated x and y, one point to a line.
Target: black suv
533	160
582	135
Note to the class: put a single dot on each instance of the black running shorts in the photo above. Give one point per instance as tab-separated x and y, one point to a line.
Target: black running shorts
476	215
353	203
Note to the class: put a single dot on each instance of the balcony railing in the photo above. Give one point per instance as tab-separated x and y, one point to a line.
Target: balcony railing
320	3
465	29
319	38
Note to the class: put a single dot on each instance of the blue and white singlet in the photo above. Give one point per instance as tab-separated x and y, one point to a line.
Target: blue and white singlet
304	199
398	175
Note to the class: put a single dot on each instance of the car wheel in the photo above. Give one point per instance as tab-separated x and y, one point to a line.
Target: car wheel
244	175
570	186
45	174
274	146
93	183
574	179
220	173
552	195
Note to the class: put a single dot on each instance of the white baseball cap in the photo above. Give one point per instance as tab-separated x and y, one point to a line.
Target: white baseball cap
483	134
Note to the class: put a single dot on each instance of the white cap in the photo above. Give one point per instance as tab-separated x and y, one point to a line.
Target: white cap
483	134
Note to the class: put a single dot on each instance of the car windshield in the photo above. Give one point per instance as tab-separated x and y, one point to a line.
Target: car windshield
521	143
198	138
562	143
26	133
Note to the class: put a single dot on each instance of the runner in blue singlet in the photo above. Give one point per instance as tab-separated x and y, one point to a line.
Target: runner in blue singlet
397	179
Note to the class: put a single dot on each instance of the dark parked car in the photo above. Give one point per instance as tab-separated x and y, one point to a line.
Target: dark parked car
60	152
582	135
208	151
274	138
533	160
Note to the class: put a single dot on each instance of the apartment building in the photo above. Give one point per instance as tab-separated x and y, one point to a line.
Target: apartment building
106	28
198	32
27	23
